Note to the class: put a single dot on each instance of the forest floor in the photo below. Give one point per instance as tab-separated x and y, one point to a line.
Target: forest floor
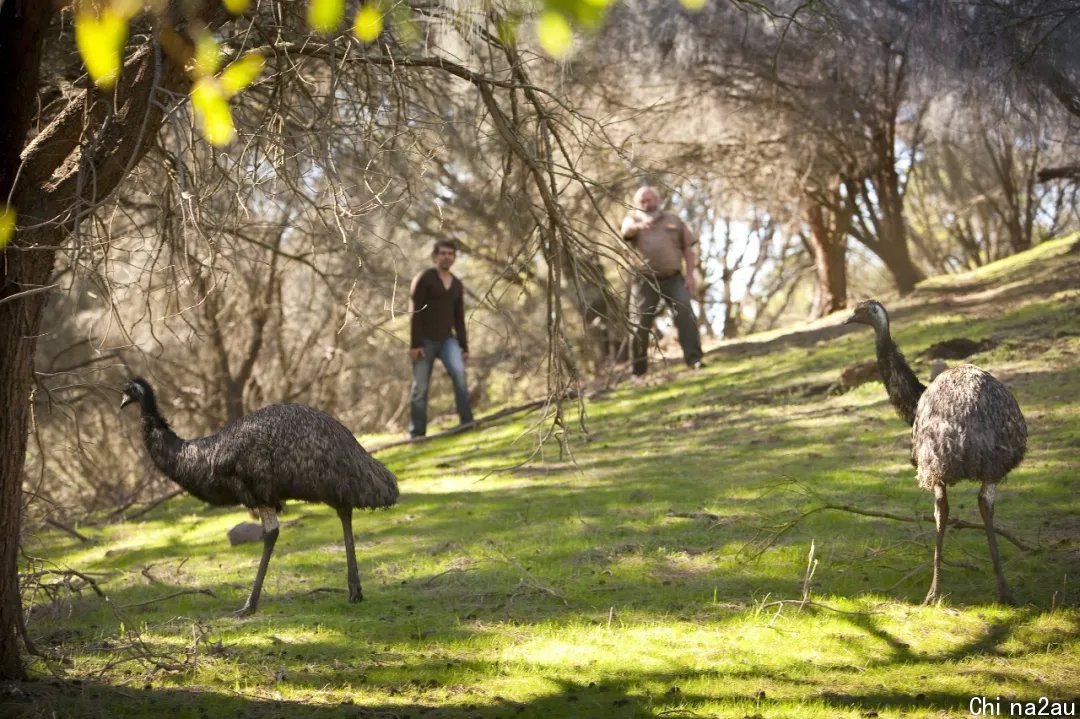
741	541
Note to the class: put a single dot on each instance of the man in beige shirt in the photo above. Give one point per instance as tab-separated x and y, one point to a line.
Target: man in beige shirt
663	243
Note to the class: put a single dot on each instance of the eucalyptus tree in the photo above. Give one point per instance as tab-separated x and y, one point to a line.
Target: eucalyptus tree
1008	57
322	101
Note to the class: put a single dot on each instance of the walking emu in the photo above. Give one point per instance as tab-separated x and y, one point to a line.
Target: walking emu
274	454
965	425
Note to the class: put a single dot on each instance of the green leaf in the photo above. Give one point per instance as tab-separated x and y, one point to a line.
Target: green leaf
241	73
581	14
236	6
212	110
325	16
554	33
7	225
405	26
507	31
368	24
207	55
100	39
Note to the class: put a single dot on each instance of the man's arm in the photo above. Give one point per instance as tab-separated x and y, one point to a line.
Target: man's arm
689	248
417	302
632	225
459	321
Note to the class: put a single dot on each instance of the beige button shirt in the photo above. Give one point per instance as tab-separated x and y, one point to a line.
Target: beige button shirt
662	244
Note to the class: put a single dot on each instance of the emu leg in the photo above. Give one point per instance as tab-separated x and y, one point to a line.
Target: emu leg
986	509
270	535
941	517
355	595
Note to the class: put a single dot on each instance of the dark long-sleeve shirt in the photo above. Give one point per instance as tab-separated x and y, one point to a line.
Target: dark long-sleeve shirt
437	312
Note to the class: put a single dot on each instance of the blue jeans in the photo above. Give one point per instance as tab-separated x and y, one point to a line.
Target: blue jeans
449	352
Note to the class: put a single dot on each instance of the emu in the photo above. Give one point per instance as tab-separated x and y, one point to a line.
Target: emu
274	454
965	425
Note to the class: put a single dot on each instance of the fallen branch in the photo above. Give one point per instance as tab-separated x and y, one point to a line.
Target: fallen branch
929	517
155	503
693	515
182	592
923	517
452	570
477	424
67	528
811	603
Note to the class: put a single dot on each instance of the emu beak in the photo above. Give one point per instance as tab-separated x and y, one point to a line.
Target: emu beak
854	318
126	399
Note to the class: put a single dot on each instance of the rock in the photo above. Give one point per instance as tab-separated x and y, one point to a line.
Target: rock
957	348
245	532
859	374
937	367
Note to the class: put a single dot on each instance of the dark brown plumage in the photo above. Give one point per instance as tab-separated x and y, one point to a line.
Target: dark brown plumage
274	454
965	425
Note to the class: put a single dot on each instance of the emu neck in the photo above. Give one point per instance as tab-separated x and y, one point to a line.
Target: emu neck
901	384
162	444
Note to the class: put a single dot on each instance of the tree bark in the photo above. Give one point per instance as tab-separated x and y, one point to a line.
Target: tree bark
883	230
22	29
829	225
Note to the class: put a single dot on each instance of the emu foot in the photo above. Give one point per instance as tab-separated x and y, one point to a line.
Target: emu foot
355	596
932	597
1005	596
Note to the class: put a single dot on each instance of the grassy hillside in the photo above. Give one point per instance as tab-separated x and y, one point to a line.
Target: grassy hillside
659	571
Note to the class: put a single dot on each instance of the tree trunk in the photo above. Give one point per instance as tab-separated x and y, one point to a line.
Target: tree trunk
898	262
828	241
22	28
881	226
100	137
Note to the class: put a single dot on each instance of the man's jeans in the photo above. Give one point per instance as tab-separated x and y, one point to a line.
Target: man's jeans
645	305
449	352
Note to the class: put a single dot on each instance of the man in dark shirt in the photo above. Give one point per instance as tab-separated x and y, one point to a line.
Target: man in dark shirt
437	304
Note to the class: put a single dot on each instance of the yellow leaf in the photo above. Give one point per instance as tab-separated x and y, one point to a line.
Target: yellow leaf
325	15
7	225
207	55
369	23
694	5
213	111
236	6
241	73
554	33
100	40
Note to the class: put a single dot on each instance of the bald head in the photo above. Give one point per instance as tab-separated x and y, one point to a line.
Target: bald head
646	199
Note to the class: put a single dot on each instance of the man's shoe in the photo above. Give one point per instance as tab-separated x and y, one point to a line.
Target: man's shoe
698	365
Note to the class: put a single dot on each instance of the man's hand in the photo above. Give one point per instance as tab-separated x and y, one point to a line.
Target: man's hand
464	356
691	284
416	353
631	227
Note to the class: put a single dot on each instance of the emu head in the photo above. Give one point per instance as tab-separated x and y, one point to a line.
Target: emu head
137	390
870	312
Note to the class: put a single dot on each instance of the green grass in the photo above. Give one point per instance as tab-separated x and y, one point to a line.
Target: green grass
562	588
